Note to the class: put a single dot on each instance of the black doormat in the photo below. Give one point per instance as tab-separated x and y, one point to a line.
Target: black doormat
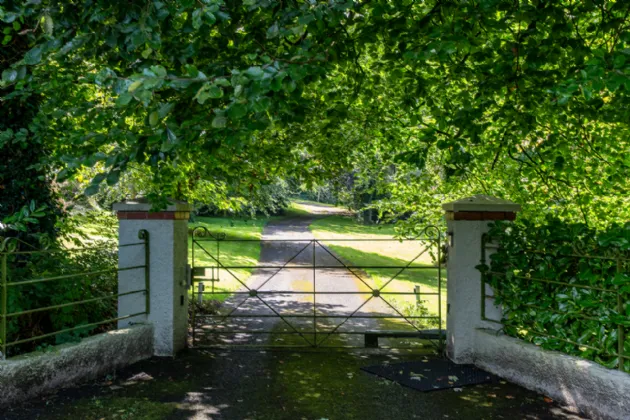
431	374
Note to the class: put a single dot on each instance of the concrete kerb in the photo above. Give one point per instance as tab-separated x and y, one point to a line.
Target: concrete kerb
38	373
582	385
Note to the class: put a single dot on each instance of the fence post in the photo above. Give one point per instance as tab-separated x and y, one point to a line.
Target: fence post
467	220
164	253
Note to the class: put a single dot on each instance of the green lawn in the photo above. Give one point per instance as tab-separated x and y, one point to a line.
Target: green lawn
374	245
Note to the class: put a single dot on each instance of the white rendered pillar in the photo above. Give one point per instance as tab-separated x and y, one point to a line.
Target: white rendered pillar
167	257
467	220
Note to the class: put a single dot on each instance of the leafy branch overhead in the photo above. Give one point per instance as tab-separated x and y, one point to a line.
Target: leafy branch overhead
489	91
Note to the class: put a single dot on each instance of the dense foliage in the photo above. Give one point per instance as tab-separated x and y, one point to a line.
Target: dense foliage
523	99
555	313
25	183
28	297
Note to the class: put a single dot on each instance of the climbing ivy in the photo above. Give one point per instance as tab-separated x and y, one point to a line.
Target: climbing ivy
555	313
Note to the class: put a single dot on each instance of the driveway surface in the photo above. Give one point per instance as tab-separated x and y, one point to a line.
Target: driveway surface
279	385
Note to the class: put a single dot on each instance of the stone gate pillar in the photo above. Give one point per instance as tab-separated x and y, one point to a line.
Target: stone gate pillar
467	220
167	260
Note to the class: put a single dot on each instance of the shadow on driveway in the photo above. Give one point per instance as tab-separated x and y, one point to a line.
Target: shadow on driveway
279	385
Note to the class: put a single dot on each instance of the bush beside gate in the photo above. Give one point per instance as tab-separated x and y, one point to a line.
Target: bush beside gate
563	287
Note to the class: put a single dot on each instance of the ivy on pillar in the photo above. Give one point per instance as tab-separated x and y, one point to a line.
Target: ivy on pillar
467	220
168	258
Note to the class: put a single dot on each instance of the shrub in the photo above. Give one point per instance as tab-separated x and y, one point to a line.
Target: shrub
56	292
540	269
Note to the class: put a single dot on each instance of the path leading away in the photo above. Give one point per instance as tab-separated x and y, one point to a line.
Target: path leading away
284	302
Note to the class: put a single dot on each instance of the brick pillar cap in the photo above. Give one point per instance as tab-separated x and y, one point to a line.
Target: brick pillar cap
481	203
143	205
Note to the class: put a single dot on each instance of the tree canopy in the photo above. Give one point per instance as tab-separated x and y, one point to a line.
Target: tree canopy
523	99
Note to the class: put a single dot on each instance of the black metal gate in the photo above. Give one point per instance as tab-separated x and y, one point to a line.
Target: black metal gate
316	292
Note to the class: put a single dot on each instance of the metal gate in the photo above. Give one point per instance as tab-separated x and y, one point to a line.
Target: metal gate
316	292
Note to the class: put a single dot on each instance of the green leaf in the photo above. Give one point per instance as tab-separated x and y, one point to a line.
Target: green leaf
48	25
255	72
215	92
196	18
9	75
222	81
98	178
210	18
92	189
171	136
170	142
123	99
273	31
237	111
135	85
262	104
33	56
208	91
153	119
288	85
159	71
219	122
165	109
113	177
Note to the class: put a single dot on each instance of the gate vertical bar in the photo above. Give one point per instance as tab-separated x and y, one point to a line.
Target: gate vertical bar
620	328
3	309
192	282
439	265
218	265
314	299
144	235
484	239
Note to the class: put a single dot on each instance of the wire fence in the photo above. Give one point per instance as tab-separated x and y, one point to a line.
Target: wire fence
62	295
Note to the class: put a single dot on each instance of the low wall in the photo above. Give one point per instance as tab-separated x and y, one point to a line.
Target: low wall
582	385
33	374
